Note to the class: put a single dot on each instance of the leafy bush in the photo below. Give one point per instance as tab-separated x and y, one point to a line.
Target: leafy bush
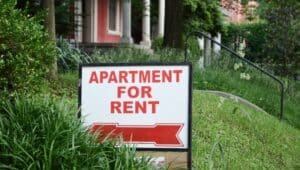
282	35
69	57
254	36
121	55
40	133
169	55
26	54
203	15
132	55
268	43
157	43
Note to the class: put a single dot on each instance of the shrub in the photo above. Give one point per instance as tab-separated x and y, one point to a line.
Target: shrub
26	54
69	57
133	55
121	55
157	43
254	35
40	133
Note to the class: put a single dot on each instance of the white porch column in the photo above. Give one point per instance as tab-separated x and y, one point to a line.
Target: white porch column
161	18
78	20
126	32
216	47
207	51
200	42
201	47
146	24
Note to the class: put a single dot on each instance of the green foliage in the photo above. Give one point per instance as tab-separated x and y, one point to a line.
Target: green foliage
41	133
26	53
244	2
157	43
121	55
249	139
258	88
274	41
254	35
132	55
203	15
194	52
70	57
169	55
282	34
67	83
64	16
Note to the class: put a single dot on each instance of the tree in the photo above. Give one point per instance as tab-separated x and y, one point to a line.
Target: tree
25	51
64	16
49	6
173	24
183	16
33	7
282	34
203	15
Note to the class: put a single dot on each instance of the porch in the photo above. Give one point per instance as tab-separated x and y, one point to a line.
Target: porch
107	23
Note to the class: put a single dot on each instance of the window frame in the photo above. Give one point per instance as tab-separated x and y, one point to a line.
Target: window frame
117	31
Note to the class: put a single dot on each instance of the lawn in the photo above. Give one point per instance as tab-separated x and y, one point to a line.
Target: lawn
259	89
229	134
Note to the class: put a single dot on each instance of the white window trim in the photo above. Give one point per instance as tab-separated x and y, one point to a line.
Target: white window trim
95	12
118	20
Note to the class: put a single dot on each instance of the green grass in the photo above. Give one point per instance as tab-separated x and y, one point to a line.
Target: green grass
260	90
249	139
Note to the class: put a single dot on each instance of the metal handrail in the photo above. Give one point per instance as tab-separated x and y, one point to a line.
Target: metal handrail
201	34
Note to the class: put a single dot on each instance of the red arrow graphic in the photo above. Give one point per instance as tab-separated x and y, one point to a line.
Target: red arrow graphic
159	134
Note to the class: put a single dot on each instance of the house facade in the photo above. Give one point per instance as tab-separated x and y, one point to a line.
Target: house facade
109	21
233	11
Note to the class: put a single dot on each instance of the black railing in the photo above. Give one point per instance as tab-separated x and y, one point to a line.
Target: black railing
236	55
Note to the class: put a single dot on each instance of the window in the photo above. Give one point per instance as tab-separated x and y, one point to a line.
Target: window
113	16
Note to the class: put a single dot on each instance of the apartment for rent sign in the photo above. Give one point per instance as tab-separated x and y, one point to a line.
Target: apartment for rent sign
148	105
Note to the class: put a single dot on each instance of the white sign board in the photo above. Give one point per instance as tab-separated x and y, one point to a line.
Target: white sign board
149	105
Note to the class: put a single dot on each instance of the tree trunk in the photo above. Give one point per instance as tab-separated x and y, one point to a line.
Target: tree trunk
49	6
173	24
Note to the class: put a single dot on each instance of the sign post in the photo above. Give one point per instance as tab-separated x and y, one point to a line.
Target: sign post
148	105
